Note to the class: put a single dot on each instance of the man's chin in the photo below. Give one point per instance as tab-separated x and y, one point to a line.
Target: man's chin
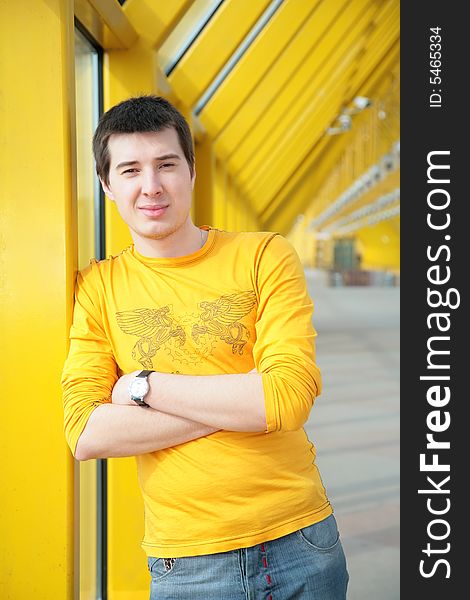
159	233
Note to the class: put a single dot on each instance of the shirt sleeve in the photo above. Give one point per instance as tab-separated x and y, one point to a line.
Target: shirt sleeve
90	370
284	351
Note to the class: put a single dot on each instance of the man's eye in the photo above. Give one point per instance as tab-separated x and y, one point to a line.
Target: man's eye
167	165
129	171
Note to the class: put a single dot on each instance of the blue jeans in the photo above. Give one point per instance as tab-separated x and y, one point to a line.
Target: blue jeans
308	564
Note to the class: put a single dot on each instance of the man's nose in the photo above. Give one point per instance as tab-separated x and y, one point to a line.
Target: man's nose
151	184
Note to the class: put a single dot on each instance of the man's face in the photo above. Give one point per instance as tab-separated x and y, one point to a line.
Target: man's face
151	184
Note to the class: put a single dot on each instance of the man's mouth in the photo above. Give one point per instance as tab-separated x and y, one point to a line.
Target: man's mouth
151	210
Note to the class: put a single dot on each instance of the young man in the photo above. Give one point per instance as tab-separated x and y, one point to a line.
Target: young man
193	350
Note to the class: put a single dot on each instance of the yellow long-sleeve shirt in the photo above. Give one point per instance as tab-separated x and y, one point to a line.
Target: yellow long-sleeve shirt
238	303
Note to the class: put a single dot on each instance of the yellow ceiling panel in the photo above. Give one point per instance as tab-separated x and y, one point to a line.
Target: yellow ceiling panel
285	115
299	190
261	57
297	142
211	50
383	37
388	69
269	183
183	30
302	187
377	83
374	132
309	84
299	51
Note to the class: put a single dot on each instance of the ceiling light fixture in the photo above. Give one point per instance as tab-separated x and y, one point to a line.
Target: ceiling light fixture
343	122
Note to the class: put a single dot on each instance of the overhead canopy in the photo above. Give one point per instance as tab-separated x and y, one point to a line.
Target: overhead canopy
268	81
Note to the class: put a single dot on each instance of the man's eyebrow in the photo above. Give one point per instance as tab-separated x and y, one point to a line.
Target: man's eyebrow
126	164
135	162
167	156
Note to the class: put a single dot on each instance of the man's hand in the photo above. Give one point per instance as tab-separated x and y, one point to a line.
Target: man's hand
121	394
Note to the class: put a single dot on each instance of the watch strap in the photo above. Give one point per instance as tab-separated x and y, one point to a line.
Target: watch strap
145	373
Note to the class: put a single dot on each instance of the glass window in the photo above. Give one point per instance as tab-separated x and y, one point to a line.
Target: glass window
90	201
90	476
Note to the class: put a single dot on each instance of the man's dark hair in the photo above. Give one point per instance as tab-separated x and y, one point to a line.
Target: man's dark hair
141	114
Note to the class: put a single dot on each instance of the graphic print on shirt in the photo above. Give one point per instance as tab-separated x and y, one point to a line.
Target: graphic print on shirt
190	337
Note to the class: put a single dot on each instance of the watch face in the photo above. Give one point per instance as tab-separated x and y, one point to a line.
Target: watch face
139	387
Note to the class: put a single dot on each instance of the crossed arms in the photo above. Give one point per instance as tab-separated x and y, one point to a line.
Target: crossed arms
200	405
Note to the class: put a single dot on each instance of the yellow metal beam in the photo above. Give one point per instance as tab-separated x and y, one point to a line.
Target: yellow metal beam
107	22
209	53
263	155
301	188
291	145
336	143
303	191
115	18
384	35
372	136
336	53
253	66
38	272
374	132
155	20
289	75
387	69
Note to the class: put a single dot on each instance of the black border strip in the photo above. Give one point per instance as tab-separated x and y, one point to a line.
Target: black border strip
433	128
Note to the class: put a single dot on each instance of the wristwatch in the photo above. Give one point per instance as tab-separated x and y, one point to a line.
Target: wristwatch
139	387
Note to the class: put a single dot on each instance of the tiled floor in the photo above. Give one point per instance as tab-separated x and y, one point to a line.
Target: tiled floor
355	427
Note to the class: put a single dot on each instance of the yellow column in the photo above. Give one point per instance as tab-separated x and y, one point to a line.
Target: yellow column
203	190
126	73
240	214
37	275
219	196
230	213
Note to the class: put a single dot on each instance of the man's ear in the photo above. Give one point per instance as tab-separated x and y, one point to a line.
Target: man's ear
193	178
106	189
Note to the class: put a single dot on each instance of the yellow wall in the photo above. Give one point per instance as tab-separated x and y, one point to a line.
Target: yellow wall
379	246
38	248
